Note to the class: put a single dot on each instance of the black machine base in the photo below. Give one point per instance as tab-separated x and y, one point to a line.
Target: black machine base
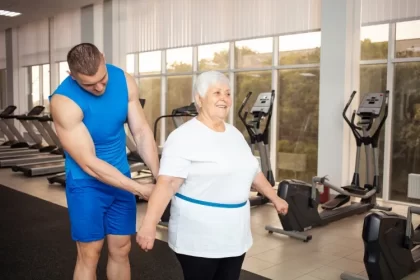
386	257
303	211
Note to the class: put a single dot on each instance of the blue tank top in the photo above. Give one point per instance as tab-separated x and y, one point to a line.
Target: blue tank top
104	117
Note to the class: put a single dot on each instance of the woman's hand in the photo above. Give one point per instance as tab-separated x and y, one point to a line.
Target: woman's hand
146	237
281	205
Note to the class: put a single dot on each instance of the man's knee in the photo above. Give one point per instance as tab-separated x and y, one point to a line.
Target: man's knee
89	253
119	247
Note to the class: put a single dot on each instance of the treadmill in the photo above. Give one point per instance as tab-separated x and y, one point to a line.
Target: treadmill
20	147
10	138
49	167
44	154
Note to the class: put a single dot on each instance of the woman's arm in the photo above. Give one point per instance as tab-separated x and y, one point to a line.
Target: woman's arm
165	189
263	186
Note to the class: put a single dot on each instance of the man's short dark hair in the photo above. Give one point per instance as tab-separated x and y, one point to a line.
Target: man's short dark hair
84	59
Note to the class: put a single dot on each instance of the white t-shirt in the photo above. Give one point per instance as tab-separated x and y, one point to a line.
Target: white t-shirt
218	167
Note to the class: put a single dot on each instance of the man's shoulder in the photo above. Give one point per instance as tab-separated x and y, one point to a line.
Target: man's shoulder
112	67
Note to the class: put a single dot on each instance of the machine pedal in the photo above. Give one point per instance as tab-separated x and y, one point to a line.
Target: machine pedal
356	190
336	202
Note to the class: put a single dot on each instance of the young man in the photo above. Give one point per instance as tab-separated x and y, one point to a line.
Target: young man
89	109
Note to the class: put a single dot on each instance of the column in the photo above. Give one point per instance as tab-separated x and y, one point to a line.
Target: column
340	56
7	98
87	23
54	66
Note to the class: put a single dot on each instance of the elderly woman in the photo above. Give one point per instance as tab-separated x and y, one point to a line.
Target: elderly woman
207	169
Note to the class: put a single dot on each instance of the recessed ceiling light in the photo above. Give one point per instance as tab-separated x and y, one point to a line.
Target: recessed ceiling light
8	13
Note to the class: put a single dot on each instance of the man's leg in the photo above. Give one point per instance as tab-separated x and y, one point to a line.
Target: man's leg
120	225
87	260
86	206
118	262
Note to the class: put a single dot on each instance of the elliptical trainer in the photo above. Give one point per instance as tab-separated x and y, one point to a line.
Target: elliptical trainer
303	198
262	108
392	250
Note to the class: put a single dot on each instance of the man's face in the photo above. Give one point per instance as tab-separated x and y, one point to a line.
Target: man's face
95	84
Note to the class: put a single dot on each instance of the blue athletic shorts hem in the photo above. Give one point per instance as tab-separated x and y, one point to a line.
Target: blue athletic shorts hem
96	210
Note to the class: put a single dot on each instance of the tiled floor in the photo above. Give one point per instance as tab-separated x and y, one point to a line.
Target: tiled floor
334	249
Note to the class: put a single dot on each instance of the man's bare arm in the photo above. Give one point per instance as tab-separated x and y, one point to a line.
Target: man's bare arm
76	140
140	129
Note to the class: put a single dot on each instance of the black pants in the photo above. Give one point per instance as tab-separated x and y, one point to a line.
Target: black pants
195	268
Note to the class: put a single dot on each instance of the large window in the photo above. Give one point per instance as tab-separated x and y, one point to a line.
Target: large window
178	95
256	53
298	100
372	79
407	39
150	86
297	124
63	70
39	86
179	60
35	93
405	129
46	92
150	63
150	90
255	82
300	48
213	57
374	42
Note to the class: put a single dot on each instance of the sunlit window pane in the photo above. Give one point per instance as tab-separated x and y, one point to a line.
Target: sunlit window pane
179	60
303	48
407	39
150	63
374	42
213	57
256	53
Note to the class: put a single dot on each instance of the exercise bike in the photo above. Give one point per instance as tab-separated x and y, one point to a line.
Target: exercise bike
261	109
303	198
392	250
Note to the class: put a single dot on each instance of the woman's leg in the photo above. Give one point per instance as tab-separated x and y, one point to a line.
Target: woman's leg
196	268
229	268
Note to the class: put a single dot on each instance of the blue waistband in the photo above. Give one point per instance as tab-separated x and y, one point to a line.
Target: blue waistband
211	204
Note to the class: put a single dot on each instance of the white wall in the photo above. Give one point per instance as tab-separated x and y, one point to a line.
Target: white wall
162	24
381	11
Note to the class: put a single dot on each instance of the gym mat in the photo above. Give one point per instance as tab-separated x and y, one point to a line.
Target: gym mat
35	244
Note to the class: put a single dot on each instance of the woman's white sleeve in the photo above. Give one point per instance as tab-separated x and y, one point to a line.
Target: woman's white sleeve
175	160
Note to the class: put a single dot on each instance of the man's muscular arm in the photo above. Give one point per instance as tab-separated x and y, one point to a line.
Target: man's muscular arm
76	140
140	129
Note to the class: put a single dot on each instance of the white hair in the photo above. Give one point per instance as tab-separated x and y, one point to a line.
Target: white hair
207	79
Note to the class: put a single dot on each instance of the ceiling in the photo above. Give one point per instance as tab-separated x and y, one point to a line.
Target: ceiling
32	10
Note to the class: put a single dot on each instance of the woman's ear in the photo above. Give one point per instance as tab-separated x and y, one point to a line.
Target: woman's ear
198	103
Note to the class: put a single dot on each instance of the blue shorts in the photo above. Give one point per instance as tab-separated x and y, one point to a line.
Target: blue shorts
97	209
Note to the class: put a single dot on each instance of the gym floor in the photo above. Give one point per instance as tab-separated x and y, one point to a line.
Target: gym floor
334	249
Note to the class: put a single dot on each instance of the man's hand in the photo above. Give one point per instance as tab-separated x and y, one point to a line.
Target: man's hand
281	205
146	236
144	190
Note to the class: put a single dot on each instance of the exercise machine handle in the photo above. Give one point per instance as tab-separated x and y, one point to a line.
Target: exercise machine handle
243	118
324	181
407	241
351	124
375	135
